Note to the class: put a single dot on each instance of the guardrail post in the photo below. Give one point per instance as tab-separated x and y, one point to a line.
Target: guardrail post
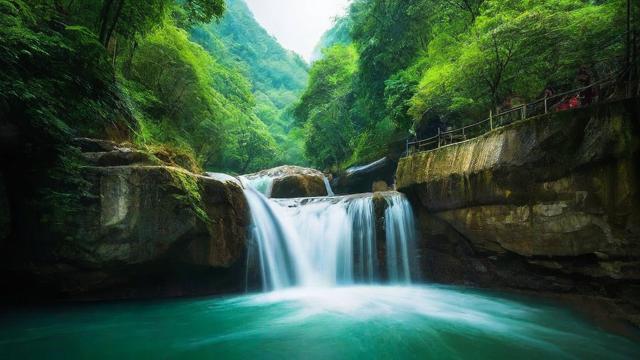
545	105
407	147
524	112
438	137
491	118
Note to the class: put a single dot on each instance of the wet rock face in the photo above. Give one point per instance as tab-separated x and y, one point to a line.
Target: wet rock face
377	176
141	216
293	182
557	195
138	235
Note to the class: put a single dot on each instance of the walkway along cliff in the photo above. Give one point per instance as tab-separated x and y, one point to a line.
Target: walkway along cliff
546	204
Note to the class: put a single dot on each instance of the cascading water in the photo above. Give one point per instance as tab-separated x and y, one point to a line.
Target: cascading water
263	184
400	230
329	241
327	185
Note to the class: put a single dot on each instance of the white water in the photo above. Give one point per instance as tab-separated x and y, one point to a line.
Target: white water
328	186
264	184
399	231
329	241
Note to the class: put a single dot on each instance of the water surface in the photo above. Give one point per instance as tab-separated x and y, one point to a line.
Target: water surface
368	322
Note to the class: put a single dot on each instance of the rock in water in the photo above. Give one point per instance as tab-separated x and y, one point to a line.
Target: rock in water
292	182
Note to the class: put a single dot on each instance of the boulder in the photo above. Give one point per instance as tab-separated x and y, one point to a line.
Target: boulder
143	230
141	214
293	182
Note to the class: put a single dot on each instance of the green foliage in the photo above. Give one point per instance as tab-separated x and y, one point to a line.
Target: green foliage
179	77
55	83
203	90
339	34
203	11
516	49
277	77
424	64
325	107
250	147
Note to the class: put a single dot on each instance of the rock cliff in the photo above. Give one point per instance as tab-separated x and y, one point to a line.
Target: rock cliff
550	203
144	230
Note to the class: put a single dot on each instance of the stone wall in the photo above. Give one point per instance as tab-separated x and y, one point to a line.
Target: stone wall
549	203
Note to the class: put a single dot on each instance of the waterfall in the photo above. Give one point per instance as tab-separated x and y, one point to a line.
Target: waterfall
362	213
328	241
262	184
328	186
400	230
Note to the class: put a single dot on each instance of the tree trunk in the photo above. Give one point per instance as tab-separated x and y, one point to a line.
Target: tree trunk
129	62
109	17
114	21
104	20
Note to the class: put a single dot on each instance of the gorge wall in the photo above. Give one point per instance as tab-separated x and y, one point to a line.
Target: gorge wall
141	232
545	204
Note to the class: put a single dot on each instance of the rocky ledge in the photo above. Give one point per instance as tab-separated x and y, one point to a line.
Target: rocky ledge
144	230
293	182
547	204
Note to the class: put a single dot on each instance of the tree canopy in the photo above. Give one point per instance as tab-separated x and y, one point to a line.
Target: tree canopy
424	64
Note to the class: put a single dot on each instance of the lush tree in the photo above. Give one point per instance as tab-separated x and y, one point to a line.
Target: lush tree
277	76
340	33
137	17
425	64
325	107
516	50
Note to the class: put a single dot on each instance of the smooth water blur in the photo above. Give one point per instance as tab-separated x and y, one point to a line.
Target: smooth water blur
400	232
262	184
327	186
328	241
425	322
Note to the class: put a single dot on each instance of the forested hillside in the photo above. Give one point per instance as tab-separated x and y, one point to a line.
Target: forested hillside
418	65
194	83
164	74
277	76
340	33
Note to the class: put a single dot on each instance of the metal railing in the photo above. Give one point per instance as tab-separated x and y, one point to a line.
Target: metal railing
572	99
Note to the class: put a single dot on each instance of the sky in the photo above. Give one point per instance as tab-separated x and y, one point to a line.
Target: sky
297	24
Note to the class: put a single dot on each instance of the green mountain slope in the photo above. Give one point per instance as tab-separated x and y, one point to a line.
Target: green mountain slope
277	76
339	34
